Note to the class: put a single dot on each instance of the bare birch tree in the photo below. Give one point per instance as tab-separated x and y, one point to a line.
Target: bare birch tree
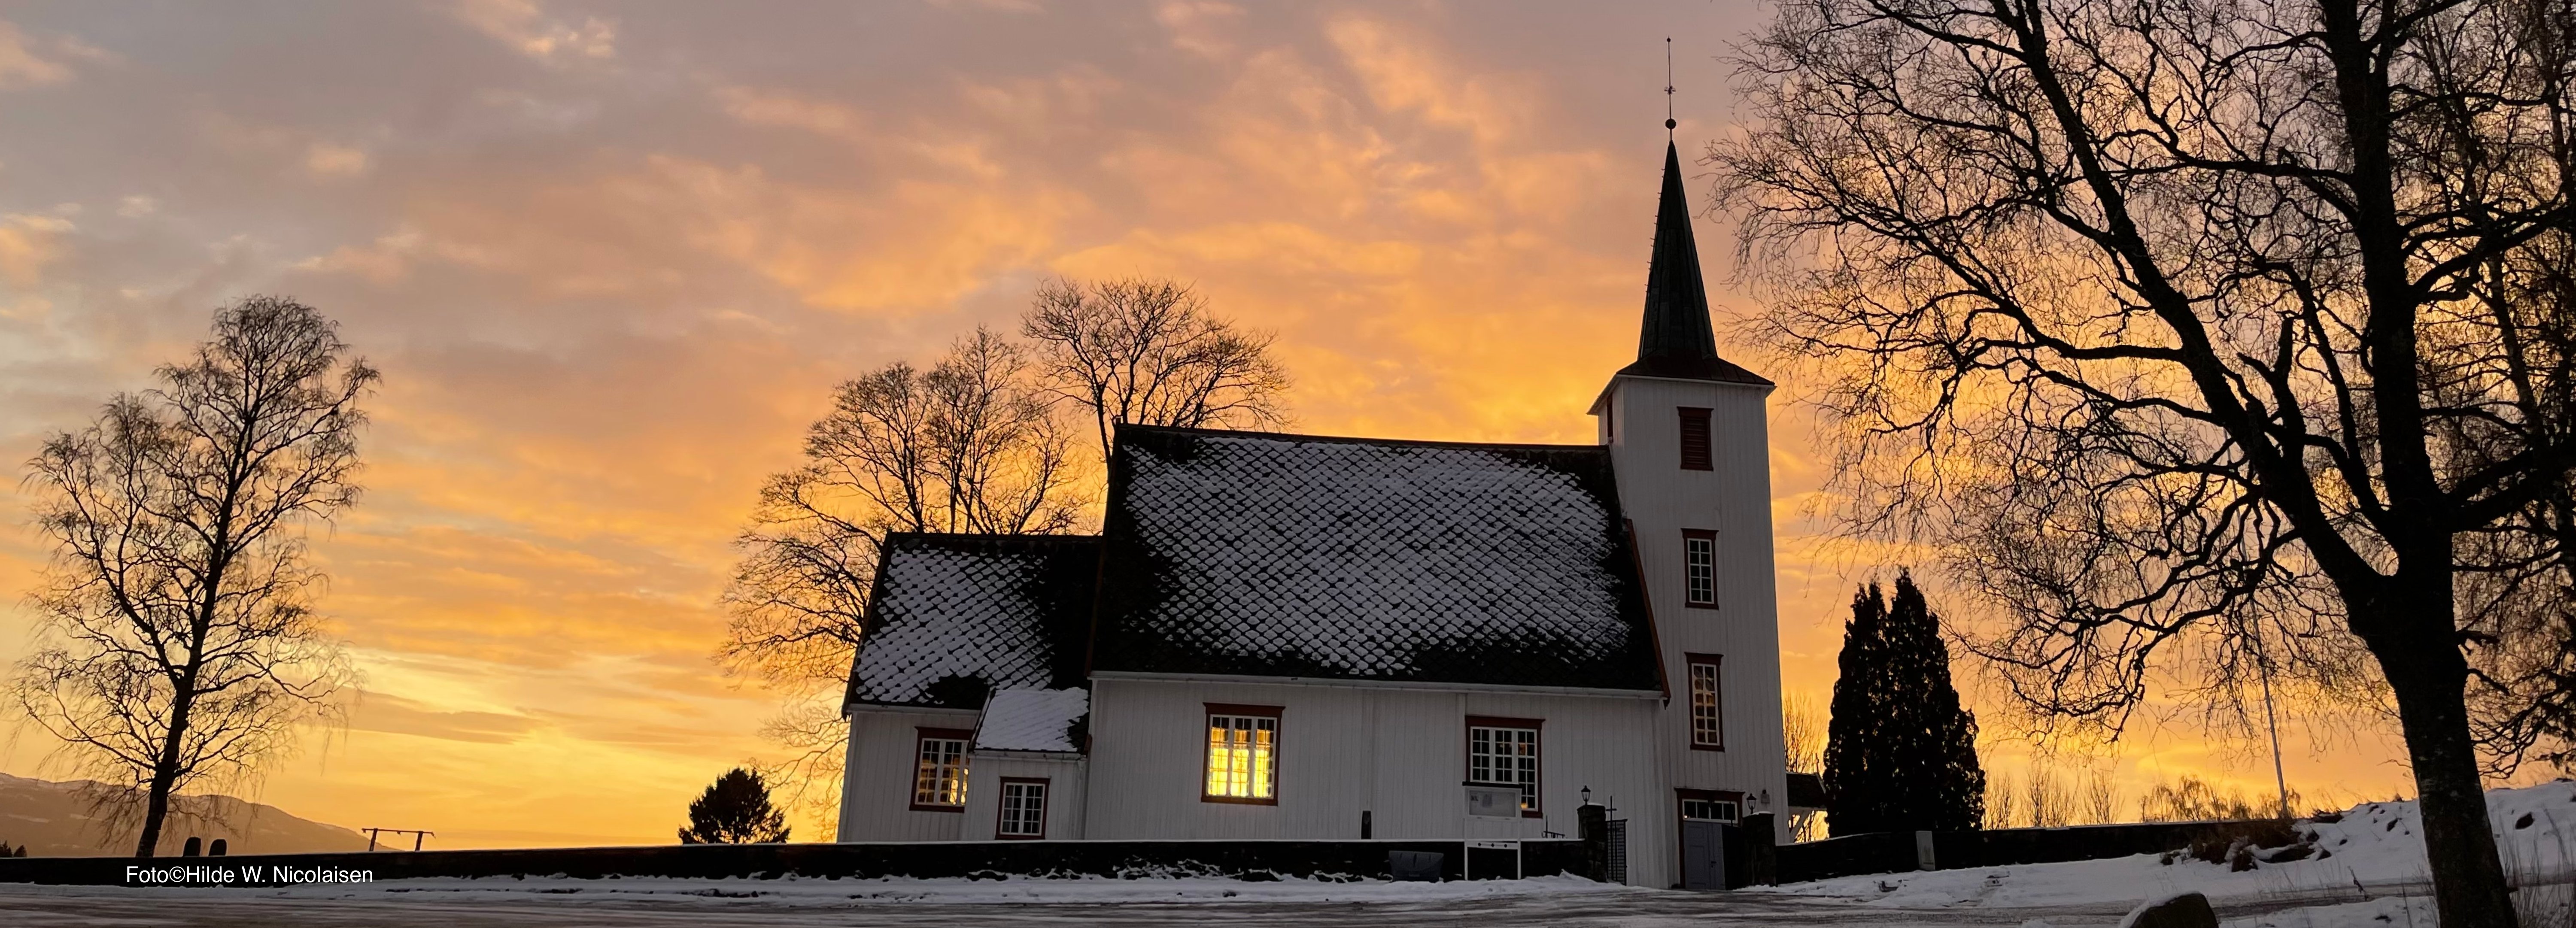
1147	352
2191	331
178	639
970	445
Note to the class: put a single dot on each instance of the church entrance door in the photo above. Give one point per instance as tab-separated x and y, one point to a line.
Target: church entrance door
1703	854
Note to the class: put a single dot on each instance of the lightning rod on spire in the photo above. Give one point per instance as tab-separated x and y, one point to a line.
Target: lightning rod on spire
1668	86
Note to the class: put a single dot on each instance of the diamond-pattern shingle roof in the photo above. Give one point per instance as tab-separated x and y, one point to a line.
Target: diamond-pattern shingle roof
1001	611
1284	555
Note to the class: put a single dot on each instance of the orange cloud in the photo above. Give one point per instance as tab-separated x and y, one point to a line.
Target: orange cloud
524	26
27	244
20	66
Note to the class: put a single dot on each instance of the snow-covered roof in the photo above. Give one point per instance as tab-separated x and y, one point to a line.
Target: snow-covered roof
1032	720
1006	610
1287	555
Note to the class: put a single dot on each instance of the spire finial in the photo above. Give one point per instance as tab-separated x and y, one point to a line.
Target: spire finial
1668	86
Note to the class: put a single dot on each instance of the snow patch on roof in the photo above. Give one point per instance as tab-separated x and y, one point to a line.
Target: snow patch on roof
1032	720
998	608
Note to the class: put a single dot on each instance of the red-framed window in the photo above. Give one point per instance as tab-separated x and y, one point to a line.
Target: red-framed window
1710	805
1505	752
1699	568
1021	813
1707	702
1695	453
939	769
1242	754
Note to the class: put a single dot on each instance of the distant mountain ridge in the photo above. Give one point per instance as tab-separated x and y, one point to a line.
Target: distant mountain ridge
57	820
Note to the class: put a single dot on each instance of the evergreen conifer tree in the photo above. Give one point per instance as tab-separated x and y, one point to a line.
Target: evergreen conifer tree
735	810
1900	753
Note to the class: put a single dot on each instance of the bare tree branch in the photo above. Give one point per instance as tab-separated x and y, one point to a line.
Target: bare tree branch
2203	337
178	640
1147	352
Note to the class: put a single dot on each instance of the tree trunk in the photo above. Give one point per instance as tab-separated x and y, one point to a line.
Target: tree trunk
2459	842
156	808
165	776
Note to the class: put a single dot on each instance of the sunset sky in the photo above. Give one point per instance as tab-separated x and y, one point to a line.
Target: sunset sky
611	258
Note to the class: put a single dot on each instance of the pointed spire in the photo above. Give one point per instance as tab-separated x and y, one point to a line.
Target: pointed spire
1677	327
1676	341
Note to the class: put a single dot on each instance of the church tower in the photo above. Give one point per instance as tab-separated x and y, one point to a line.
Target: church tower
1690	443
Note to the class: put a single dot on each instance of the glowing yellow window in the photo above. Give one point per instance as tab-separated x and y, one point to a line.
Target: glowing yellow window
1243	754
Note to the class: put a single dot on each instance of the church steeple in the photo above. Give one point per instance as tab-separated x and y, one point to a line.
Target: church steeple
1676	327
1676	341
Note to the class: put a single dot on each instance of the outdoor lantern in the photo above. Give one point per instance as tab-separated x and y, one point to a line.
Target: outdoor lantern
1587	795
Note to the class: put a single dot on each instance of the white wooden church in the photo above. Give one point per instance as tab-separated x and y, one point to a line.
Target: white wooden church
1292	636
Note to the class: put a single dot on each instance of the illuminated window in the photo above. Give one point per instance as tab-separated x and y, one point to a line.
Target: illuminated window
1707	726
939	776
1504	752
1242	754
1023	813
1699	566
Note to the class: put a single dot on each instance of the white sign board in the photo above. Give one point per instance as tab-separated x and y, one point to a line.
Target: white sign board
1494	801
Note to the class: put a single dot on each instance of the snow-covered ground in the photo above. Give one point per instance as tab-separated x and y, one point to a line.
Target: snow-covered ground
2368	864
956	891
2369	873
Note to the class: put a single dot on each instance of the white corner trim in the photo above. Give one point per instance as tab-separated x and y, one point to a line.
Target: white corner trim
1599	692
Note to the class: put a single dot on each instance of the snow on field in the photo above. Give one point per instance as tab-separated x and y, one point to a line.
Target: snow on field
841	892
2372	847
2380	912
2366	871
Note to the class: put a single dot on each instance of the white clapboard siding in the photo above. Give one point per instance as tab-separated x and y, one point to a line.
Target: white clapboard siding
1065	788
876	796
1734	498
1399	753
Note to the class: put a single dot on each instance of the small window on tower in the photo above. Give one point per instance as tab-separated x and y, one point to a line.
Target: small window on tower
1695	454
1707	721
1699	567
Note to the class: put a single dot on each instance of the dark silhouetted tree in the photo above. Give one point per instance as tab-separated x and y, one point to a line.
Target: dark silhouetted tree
1142	351
177	638
2210	341
971	445
1900	753
735	810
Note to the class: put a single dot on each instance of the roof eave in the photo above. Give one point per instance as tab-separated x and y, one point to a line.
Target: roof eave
1602	400
1029	753
1370	683
854	707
